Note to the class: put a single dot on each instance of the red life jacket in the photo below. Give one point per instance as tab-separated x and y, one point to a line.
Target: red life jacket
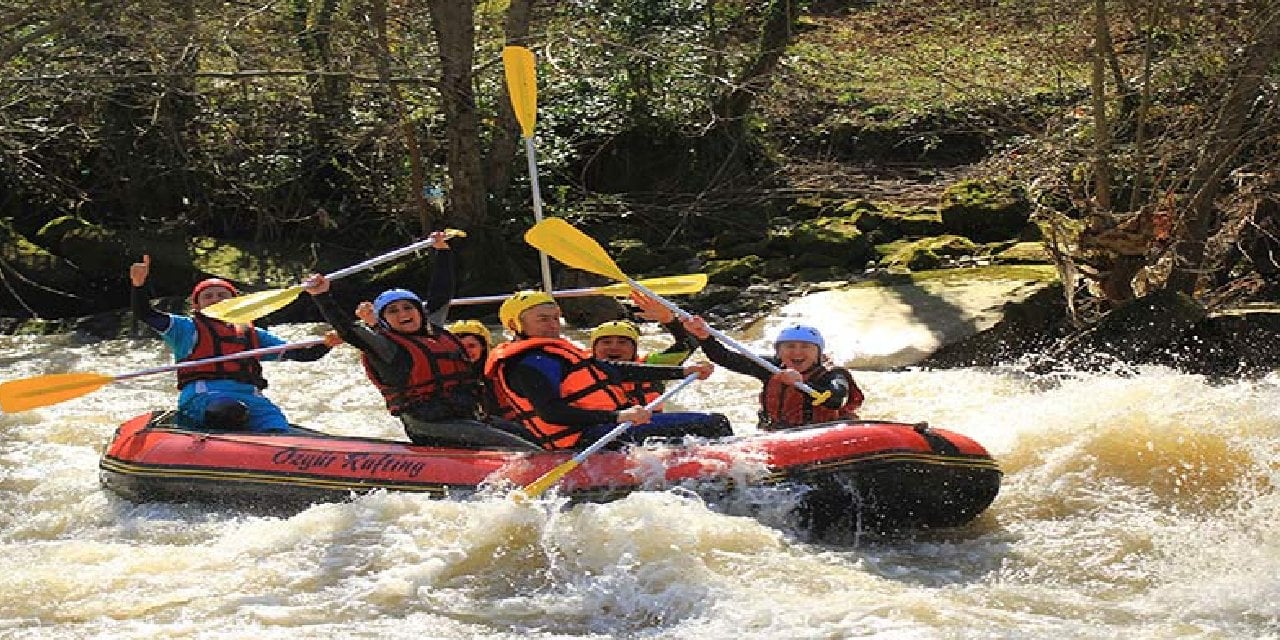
585	386
217	338
782	405
439	367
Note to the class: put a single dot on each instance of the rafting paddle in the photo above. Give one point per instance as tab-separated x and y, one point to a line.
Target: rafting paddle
251	306
576	249
42	391
522	86
546	480
668	285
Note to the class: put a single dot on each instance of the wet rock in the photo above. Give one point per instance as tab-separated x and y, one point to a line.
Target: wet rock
1232	344
984	211
1137	332
1027	327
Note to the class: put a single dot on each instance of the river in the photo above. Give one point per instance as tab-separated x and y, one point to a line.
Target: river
1134	506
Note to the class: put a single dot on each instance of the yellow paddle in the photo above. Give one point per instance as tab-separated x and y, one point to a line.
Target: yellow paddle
576	249
546	480
42	391
668	285
249	307
522	86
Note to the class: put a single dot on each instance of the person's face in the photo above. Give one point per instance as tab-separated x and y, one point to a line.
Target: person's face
210	296
614	348
403	316
473	345
542	321
798	355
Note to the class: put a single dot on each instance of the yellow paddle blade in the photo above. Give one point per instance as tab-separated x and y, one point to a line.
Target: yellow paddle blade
251	306
522	86
540	486
663	285
562	241
42	391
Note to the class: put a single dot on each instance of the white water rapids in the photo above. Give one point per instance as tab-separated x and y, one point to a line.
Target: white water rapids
1136	506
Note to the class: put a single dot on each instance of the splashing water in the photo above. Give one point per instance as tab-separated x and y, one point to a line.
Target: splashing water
1138	506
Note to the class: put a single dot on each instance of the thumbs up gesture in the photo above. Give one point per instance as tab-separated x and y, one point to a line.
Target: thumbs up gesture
139	271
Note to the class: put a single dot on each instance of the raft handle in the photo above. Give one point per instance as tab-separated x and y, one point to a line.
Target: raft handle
921	427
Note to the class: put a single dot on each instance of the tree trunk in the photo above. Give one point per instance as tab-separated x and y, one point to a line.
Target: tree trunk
1221	144
417	198
482	255
313	25
732	107
505	140
1102	129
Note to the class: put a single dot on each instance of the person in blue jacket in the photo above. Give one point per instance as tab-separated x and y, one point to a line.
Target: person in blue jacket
225	395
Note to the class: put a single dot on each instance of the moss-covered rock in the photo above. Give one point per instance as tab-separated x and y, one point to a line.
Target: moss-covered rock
1023	253
38	280
808	208
734	244
893	222
927	253
734	272
639	257
827	242
985	211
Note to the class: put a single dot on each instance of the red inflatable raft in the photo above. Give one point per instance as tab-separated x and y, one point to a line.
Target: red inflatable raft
862	475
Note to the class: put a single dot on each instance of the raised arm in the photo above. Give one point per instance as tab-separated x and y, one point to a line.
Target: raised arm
139	303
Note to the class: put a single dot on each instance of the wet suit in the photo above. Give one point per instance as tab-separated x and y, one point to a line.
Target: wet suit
835	379
179	334
455	420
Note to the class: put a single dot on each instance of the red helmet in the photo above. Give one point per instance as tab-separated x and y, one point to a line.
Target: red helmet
212	282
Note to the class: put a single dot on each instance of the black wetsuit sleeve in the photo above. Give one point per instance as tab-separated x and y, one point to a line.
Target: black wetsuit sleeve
145	313
388	360
442	286
636	372
545	398
732	360
306	354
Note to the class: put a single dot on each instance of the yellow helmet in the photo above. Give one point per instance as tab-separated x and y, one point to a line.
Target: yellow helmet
471	327
509	312
622	328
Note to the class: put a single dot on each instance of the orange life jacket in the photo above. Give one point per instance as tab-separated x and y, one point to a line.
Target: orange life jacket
217	338
439	367
643	392
782	405
585	385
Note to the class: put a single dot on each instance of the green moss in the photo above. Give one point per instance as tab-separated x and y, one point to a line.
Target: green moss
1024	253
1019	273
737	272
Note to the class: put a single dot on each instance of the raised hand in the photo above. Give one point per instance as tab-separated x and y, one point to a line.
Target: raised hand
316	284
364	312
139	271
439	240
697	327
651	309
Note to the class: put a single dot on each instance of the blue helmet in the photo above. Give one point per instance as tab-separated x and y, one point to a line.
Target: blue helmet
801	333
391	295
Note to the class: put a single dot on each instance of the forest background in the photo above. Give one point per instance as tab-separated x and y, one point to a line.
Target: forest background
1132	143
